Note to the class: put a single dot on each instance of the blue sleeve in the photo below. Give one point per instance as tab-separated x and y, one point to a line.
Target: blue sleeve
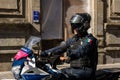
59	49
19	62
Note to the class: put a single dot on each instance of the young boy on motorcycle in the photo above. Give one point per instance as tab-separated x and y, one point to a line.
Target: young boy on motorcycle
81	50
20	59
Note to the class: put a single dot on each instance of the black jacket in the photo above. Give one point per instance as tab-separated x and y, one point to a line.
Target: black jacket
87	46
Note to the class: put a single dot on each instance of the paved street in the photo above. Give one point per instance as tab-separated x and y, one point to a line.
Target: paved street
7	75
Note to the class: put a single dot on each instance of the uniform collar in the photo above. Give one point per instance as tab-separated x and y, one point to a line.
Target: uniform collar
81	35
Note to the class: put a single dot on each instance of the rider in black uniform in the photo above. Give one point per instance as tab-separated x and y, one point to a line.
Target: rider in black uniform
81	49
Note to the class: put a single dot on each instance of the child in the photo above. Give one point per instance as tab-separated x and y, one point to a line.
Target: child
20	58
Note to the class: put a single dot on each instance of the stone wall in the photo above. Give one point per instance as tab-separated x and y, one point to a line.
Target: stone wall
16	26
107	30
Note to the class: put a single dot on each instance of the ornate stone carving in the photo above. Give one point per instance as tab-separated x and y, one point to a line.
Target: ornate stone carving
12	8
114	6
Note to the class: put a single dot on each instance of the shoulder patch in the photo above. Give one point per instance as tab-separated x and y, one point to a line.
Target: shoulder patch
89	40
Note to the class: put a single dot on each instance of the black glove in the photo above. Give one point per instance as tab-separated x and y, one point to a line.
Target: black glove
45	54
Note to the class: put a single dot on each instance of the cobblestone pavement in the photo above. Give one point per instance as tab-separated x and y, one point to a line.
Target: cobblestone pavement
7	75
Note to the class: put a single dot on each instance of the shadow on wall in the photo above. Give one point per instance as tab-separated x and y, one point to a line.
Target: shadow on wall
66	6
71	7
12	38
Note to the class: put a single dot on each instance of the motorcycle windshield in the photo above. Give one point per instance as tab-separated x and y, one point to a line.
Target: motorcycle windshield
33	40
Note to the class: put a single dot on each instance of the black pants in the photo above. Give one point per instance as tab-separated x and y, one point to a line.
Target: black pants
77	74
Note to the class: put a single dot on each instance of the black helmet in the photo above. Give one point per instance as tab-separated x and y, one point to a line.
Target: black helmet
80	22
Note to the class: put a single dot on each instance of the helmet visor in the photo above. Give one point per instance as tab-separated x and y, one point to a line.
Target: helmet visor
76	19
75	26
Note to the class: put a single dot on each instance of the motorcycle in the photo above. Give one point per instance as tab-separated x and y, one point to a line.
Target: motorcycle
52	74
46	68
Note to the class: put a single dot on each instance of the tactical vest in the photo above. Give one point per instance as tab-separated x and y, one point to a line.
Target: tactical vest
81	62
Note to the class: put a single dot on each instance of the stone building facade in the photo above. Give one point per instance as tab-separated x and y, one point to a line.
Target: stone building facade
17	24
105	25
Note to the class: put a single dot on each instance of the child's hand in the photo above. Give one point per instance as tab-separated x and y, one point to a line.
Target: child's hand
28	59
25	63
